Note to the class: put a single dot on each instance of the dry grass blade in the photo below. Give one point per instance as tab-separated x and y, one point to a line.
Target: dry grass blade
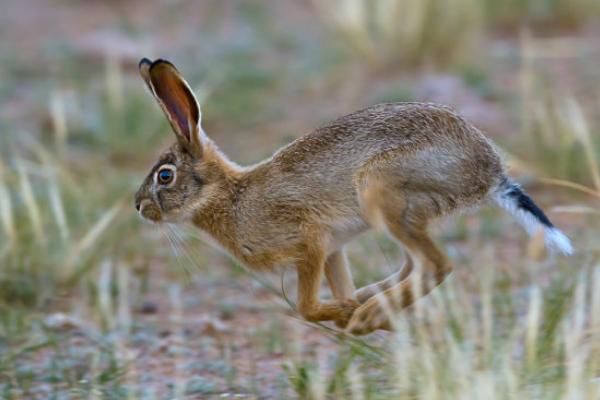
571	185
575	209
580	129
356	383
487	317
175	297
575	350
59	122
533	323
114	83
58	209
595	308
91	237
124	317
31	205
6	213
104	294
526	80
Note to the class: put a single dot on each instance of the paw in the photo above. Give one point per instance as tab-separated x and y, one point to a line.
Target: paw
348	307
368	318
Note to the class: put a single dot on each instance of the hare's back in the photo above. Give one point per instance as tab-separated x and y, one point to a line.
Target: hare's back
352	140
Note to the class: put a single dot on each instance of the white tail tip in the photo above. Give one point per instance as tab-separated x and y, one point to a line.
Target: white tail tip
555	239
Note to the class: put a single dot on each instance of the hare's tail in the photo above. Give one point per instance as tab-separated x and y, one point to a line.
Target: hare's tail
512	198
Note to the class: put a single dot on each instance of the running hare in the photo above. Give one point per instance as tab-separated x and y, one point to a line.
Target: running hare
398	166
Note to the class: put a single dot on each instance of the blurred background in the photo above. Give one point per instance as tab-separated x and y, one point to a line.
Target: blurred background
96	304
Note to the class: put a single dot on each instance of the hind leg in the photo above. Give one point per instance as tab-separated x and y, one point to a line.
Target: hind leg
410	228
372	198
366	292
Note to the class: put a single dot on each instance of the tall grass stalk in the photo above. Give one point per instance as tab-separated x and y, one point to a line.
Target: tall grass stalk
58	209
575	350
177	325
595	308
581	132
124	317
59	123
533	324
31	205
105	295
487	317
355	378
6	213
114	84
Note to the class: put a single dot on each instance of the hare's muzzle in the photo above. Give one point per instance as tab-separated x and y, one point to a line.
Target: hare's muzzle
148	210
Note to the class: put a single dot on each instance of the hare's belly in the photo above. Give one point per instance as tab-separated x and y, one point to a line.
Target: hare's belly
344	231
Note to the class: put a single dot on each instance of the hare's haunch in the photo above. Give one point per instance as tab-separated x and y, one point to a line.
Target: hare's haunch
397	166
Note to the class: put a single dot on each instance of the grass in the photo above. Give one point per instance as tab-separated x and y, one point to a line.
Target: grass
391	33
567	149
454	346
440	33
95	304
556	132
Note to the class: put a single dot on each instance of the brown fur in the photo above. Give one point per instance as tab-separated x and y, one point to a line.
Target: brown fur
395	165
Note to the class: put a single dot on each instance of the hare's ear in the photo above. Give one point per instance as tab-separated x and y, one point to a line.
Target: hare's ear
176	99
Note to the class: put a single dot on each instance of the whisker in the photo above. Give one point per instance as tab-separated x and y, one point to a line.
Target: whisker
183	255
192	253
176	250
189	251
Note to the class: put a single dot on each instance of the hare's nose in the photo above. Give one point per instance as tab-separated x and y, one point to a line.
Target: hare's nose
137	205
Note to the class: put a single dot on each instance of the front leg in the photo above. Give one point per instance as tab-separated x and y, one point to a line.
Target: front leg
339	276
310	274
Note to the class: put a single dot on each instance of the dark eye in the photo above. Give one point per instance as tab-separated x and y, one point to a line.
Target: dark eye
165	176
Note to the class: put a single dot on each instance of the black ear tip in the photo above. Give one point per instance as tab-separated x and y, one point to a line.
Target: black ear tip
144	62
162	61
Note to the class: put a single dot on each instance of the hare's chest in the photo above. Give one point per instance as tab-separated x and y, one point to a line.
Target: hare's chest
261	259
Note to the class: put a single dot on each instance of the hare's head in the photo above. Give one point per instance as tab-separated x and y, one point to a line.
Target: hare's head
192	172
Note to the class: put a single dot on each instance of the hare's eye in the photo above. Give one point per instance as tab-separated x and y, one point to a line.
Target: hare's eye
165	176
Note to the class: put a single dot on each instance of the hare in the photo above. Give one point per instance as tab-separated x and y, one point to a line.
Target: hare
396	166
